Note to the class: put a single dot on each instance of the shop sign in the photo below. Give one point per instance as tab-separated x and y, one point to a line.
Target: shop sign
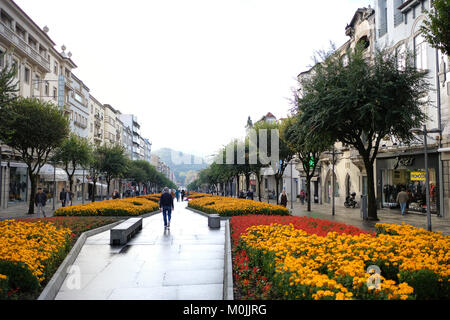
418	176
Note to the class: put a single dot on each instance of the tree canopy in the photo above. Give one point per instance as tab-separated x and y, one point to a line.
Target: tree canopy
362	102
436	28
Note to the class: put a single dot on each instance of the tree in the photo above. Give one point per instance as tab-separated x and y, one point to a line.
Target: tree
254	154
436	28
308	148
73	152
34	129
363	102
112	162
285	153
8	85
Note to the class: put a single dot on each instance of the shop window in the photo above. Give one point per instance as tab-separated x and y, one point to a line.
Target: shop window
18	185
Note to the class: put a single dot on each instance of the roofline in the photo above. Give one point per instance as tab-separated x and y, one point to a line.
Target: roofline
32	21
95	100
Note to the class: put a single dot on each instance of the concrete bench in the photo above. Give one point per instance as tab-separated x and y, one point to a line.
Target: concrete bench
123	232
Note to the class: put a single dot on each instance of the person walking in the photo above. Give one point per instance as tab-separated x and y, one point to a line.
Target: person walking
62	197
166	205
178	195
283	198
116	195
40	201
250	195
402	199
302	196
69	197
183	193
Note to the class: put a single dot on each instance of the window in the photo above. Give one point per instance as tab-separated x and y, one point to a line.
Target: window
55	93
78	97
55	68
6	19
2	59
398	15
382	9
16	67
37	79
27	75
420	52
47	88
20	32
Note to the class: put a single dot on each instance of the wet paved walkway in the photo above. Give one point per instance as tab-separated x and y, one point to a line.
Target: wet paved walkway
185	263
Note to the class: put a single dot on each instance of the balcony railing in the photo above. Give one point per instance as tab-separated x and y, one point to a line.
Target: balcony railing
24	47
80	124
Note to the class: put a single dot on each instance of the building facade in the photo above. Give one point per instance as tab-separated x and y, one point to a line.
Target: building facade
96	122
41	73
400	166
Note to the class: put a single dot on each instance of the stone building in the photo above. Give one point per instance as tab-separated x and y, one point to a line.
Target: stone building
349	171
399	165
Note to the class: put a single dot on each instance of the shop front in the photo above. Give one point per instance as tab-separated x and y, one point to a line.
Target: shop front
18	184
407	172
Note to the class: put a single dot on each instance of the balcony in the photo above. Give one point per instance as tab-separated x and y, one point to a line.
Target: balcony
97	123
98	116
80	124
24	47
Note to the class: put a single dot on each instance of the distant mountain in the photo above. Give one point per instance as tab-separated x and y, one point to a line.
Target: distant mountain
183	165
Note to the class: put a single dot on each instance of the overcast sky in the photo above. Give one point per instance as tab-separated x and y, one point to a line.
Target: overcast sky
192	71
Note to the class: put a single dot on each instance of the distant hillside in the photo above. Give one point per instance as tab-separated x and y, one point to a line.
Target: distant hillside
183	165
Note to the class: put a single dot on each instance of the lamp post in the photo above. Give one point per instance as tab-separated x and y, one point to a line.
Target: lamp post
425	133
334	153
82	189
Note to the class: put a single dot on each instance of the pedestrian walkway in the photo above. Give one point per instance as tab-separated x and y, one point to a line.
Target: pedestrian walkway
20	211
185	263
353	217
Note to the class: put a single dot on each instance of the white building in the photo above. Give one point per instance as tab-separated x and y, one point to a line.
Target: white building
398	29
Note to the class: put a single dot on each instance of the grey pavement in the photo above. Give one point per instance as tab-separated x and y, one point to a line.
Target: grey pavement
353	217
19	211
184	263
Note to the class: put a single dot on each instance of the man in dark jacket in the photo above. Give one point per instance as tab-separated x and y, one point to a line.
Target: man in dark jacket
166	204
40	201
62	197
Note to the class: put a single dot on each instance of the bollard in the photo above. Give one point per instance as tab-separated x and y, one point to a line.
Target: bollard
214	221
364	207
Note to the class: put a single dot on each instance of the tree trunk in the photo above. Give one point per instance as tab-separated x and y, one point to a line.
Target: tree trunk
277	183
237	186
258	178
33	180
247	181
308	192
108	181
94	189
371	199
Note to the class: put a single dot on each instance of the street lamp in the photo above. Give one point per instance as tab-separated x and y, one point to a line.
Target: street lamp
334	153
425	133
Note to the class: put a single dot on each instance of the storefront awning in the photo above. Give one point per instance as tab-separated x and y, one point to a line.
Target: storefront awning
48	173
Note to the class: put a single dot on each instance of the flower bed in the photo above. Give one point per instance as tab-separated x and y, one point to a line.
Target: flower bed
304	258
197	195
32	250
119	207
228	207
